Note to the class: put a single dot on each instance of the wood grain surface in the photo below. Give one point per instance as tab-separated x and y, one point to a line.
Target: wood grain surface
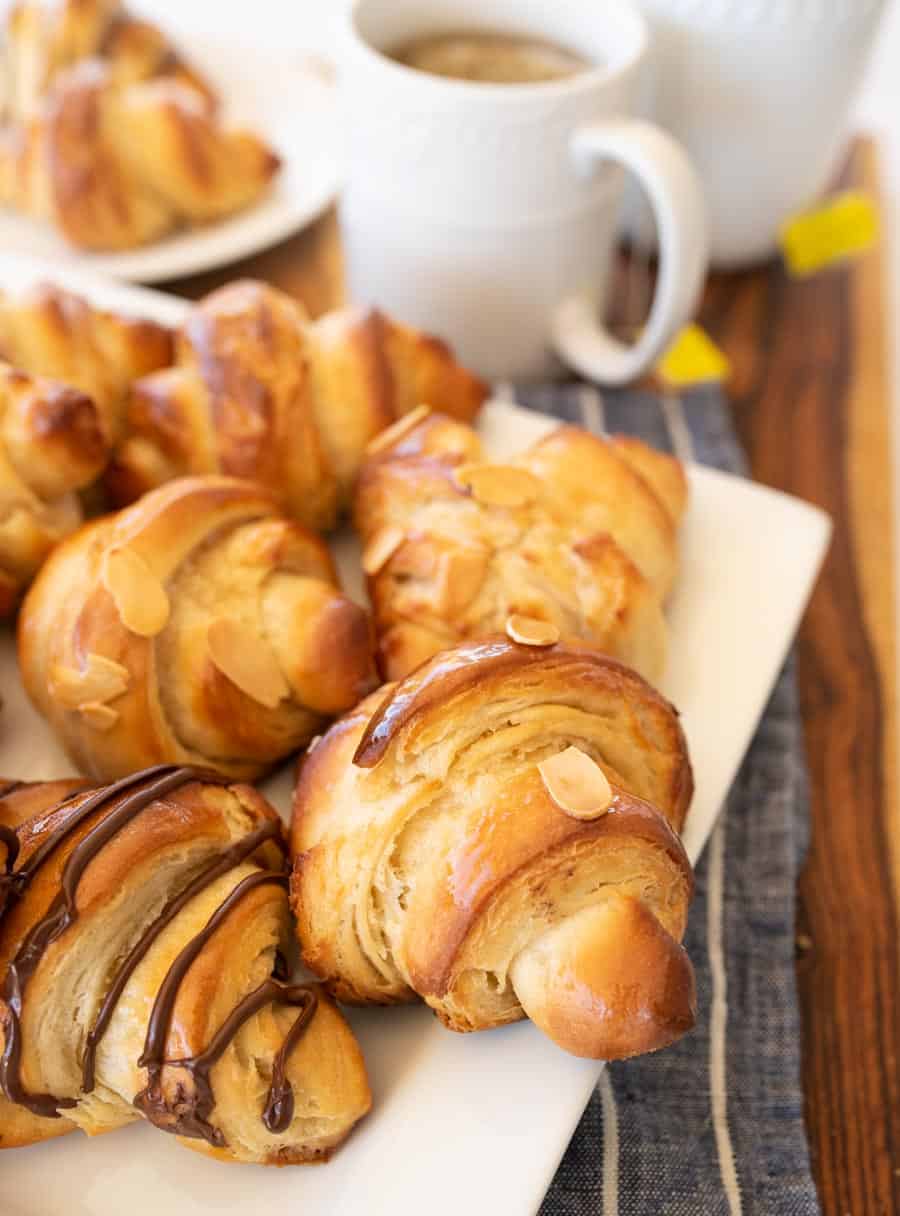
811	402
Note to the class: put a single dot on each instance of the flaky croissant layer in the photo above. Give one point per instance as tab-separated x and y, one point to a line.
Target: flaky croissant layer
497	834
143	930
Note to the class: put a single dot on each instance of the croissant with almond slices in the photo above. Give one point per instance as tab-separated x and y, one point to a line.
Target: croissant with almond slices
52	443
49	331
259	391
144	929
579	535
199	626
44	37
115	166
498	834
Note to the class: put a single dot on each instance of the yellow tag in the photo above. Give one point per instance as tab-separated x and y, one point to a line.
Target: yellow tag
692	358
843	227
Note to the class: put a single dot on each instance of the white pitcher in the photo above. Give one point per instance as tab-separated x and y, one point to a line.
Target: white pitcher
759	93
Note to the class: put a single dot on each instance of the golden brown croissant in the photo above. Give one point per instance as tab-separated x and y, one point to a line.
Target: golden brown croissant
144	929
260	392
198	626
457	837
570	534
52	442
44	38
115	166
49	331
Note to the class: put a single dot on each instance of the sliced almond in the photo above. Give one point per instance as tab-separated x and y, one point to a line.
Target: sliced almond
99	716
498	485
381	548
461	576
417	559
577	784
139	596
529	631
100	680
388	437
243	656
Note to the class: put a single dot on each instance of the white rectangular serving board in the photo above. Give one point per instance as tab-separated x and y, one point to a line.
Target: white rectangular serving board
473	1123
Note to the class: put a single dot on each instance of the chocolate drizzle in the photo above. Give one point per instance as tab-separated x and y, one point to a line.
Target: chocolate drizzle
10	838
190	1117
279	1108
187	1114
152	784
221	865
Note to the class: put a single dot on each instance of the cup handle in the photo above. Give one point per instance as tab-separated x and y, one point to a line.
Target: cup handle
676	197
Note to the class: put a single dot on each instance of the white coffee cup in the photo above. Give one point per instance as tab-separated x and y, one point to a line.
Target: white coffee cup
487	213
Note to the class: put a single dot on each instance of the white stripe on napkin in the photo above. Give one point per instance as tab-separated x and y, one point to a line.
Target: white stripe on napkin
610	1146
593	415
718	1083
676	424
683	446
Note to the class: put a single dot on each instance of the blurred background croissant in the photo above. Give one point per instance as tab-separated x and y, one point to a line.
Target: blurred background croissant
110	136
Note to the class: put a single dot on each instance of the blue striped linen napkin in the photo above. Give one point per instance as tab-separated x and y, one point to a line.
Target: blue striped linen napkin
714	1125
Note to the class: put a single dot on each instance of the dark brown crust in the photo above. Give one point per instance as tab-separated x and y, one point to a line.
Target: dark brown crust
62	423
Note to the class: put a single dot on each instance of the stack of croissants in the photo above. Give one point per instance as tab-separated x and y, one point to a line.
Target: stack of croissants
109	135
494	830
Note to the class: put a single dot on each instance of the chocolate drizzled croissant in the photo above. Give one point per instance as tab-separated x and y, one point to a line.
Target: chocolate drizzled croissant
143	933
497	834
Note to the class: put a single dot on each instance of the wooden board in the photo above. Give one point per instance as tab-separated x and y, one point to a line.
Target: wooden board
812	404
811	401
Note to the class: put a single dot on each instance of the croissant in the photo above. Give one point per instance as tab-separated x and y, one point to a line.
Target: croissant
570	535
198	626
498	834
43	39
144	929
259	392
49	331
115	166
52	442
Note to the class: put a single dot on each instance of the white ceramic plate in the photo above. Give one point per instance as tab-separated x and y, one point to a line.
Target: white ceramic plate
473	1123
288	99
